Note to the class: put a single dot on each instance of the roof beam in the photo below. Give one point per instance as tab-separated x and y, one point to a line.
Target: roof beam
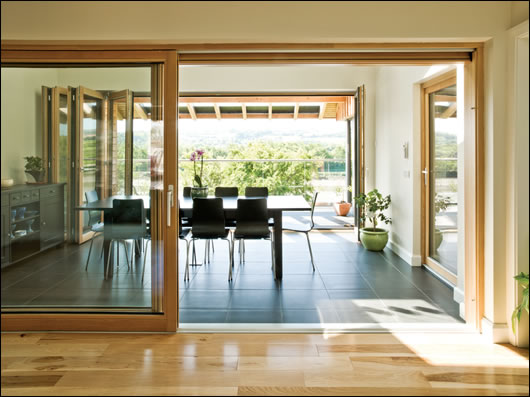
261	99
445	98
217	111
270	111
192	111
296	110
322	109
140	111
449	111
251	116
244	111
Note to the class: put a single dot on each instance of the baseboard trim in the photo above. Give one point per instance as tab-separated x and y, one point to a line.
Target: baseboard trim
495	332
412	260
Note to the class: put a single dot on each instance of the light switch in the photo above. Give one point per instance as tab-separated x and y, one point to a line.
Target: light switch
406	173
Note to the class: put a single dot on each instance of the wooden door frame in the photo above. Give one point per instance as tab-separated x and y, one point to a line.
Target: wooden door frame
427	88
111	321
23	51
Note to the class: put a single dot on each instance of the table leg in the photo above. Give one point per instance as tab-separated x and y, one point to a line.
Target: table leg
278	254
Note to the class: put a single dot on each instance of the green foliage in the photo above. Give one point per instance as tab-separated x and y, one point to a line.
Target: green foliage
33	163
441	203
373	204
522	278
280	177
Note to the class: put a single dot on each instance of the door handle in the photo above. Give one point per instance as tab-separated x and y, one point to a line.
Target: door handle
169	204
425	172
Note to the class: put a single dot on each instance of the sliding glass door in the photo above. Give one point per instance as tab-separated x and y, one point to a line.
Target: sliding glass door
442	136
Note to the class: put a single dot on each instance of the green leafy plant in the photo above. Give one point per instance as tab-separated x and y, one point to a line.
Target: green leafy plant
522	278
373	204
340	194
196	156
441	203
34	163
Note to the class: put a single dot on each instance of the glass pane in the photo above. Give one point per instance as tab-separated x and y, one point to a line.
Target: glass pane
141	145
444	178
91	141
62	156
94	270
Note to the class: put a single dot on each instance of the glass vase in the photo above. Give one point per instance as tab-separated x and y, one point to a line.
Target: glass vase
199	192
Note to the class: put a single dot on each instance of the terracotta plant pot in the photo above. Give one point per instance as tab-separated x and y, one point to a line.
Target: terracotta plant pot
342	209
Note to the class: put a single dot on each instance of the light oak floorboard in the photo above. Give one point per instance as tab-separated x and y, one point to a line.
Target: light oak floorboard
259	364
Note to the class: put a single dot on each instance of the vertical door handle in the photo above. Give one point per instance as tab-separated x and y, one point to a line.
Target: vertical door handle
425	172
169	204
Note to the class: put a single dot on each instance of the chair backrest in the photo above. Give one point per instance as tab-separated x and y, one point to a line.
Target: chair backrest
186	191
93	216
128	219
208	218
313	209
221	191
252	218
251	191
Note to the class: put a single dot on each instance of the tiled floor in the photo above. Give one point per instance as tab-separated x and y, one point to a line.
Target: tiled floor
350	285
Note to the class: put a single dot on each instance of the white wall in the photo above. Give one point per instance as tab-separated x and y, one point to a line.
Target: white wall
22	109
22	117
395	125
359	21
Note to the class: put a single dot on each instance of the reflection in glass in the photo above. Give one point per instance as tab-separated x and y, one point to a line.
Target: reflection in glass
443	133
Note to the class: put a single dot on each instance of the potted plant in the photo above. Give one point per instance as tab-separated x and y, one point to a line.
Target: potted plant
35	168
440	204
372	206
198	190
522	278
341	207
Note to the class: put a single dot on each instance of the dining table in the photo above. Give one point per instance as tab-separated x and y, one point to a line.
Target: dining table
105	205
276	206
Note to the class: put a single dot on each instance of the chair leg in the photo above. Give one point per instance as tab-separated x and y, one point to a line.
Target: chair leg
145	257
187	272
230	257
272	252
126	254
89	251
109	264
310	250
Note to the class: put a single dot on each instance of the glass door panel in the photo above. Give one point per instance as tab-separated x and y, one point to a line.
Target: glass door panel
443	182
90	152
119	143
141	139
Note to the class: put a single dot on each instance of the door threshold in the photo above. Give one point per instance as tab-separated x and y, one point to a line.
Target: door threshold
325	328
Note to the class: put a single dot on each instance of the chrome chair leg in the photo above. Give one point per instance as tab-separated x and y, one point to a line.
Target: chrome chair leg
109	264
187	272
310	250
230	257
145	257
89	251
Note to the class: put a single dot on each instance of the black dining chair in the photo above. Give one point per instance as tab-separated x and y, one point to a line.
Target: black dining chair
256	191
186	191
305	228
252	223
209	223
183	235
222	191
128	222
94	222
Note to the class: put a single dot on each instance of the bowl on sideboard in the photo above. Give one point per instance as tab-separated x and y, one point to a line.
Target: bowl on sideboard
7	182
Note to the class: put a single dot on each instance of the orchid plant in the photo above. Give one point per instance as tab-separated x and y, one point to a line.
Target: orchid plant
196	156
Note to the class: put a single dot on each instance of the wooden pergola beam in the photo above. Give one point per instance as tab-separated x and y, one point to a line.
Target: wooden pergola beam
217	111
322	110
251	116
445	98
192	111
261	99
449	111
270	111
244	111
296	110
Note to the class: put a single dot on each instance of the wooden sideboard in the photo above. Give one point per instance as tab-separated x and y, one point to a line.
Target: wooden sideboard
32	220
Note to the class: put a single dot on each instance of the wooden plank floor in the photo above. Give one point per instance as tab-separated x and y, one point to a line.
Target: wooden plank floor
260	364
